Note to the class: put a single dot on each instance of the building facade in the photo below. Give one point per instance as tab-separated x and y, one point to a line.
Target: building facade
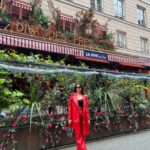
128	21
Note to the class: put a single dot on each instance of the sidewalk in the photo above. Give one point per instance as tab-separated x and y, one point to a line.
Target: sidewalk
137	141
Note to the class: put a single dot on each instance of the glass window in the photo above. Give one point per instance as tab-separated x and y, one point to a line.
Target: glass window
121	39
144	45
97	5
118	7
141	16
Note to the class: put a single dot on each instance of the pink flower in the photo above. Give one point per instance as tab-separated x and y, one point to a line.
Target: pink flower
49	125
8	135
14	141
98	113
94	129
14	124
65	128
51	114
24	117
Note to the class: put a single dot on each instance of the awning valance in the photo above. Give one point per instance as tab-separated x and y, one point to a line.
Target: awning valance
16	41
92	59
67	18
128	60
21	4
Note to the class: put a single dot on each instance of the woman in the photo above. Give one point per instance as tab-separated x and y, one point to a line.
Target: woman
78	115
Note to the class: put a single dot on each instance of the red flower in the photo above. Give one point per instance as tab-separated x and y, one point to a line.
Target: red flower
49	125
14	124
24	117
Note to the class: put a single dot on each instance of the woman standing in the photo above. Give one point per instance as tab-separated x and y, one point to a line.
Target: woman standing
78	115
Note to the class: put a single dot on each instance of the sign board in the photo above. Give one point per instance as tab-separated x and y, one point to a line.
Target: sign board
95	55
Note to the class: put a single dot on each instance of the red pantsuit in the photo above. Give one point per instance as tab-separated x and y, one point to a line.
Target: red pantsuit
80	119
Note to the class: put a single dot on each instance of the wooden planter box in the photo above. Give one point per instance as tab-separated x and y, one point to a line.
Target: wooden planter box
32	140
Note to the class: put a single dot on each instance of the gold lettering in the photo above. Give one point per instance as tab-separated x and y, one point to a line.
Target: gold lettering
76	39
63	37
81	40
51	35
20	27
26	28
57	37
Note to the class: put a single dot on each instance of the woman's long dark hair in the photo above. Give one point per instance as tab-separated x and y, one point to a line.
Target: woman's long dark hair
75	89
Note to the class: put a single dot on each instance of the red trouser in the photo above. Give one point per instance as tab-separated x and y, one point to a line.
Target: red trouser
80	139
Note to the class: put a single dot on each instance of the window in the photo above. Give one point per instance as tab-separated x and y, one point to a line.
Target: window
97	5
141	16
121	39
66	23
118	7
144	45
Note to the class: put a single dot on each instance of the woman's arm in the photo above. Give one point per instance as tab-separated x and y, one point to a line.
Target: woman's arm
70	110
88	114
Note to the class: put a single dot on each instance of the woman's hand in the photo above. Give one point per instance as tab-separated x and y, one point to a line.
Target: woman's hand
69	121
89	122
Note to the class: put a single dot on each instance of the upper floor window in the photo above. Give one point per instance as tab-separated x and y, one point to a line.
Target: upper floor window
118	7
144	45
97	5
66	23
141	16
121	39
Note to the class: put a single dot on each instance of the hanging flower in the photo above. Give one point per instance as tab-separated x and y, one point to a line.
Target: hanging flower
24	117
49	125
14	124
50	114
14	141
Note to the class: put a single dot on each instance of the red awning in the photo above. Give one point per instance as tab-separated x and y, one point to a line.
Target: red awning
128	60
67	18
131	65
23	42
22	4
92	59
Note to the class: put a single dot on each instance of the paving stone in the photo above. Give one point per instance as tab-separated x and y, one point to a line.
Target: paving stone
137	141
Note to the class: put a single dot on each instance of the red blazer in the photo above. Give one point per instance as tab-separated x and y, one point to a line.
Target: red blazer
73	114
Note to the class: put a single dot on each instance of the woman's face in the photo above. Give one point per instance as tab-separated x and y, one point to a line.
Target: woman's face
78	88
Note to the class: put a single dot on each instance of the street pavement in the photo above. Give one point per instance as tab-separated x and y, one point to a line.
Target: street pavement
135	141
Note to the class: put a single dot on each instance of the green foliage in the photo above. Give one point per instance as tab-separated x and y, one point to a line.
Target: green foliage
4	16
8	98
105	96
109	36
36	58
39	17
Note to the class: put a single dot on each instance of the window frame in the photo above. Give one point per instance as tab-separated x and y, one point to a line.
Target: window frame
142	9
116	9
145	41
123	43
95	6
